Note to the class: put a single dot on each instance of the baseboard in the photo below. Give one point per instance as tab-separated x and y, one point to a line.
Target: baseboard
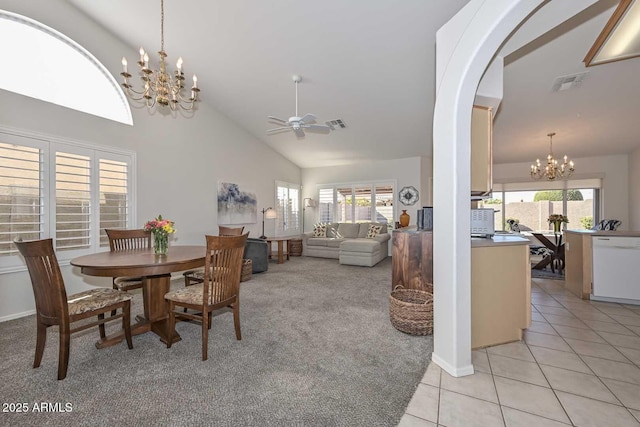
17	315
451	370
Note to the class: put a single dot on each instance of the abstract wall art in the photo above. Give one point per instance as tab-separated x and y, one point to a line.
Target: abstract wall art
236	206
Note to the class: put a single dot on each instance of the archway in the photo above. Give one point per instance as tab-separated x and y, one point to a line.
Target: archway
478	33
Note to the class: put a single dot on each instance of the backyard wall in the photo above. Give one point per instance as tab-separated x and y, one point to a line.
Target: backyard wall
532	216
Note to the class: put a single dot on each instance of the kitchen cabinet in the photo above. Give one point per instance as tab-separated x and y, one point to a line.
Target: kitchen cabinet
412	265
481	150
500	290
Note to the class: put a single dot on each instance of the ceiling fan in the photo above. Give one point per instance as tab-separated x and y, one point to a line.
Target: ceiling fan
296	123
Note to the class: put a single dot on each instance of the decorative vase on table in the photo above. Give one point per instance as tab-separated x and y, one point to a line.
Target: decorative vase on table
160	243
161	228
556	226
404	218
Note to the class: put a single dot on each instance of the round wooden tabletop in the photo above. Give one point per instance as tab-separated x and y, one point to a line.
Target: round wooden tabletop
141	263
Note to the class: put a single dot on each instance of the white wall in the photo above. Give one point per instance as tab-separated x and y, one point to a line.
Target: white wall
403	171
426	181
614	171
180	160
634	190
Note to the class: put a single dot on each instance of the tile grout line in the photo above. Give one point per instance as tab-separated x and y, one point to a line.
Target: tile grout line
495	387
549	382
596	375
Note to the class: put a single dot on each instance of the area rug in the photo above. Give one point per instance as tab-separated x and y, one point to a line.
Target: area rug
546	273
317	349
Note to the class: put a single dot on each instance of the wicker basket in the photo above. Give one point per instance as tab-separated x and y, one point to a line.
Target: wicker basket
295	247
411	310
247	268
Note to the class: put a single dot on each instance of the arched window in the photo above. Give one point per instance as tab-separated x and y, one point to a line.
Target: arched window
39	62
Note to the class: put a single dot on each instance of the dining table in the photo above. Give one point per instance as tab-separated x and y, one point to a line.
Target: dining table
557	246
155	271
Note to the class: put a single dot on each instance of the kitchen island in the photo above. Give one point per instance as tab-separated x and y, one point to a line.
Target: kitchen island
500	281
500	289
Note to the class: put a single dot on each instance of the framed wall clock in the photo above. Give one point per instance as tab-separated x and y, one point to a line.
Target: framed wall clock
408	195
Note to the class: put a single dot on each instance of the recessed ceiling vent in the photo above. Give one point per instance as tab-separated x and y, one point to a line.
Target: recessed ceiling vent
568	82
336	124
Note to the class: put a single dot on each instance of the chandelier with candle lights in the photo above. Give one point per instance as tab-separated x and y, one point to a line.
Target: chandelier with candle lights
159	86
553	169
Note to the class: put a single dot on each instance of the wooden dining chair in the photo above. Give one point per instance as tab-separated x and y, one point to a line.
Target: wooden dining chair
128	240
197	276
54	307
220	289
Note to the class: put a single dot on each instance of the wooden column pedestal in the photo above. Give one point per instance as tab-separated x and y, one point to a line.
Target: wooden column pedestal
413	259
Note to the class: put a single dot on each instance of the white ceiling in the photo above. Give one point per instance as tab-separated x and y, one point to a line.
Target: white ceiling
371	63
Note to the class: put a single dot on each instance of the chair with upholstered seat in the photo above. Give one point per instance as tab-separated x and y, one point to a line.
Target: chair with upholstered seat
197	276
608	225
54	307
220	288
128	240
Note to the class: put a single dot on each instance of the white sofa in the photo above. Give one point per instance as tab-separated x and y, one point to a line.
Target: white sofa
348	242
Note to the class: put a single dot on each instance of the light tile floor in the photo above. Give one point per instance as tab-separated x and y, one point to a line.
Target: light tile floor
579	365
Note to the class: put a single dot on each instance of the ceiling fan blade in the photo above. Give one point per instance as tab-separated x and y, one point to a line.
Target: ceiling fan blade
299	132
308	118
276	130
275	119
318	128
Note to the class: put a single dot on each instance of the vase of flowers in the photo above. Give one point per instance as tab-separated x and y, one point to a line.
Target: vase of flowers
160	228
557	220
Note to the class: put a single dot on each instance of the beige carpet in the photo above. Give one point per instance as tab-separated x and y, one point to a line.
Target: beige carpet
317	350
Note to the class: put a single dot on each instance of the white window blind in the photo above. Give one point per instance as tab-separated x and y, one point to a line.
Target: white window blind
21	194
325	204
66	190
114	197
359	202
287	209
73	201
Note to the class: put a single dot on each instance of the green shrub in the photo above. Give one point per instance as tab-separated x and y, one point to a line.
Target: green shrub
556	195
492	201
587	222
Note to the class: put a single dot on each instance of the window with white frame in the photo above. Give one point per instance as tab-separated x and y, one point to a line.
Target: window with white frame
287	209
359	202
529	204
40	52
64	190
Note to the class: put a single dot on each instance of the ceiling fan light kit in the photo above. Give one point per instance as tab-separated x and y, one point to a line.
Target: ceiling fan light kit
296	123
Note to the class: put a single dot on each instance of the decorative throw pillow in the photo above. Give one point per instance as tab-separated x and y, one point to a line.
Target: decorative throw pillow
608	225
320	230
374	230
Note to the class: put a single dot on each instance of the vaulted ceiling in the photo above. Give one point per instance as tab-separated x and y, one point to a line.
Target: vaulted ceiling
372	64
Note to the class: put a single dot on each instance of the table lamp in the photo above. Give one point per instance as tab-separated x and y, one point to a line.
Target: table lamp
267	213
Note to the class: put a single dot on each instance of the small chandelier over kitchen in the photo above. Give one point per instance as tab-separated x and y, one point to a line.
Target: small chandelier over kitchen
160	87
552	170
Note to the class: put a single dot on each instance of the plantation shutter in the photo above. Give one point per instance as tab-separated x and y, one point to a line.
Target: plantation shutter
114	196
21	194
325	205
287	209
73	201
